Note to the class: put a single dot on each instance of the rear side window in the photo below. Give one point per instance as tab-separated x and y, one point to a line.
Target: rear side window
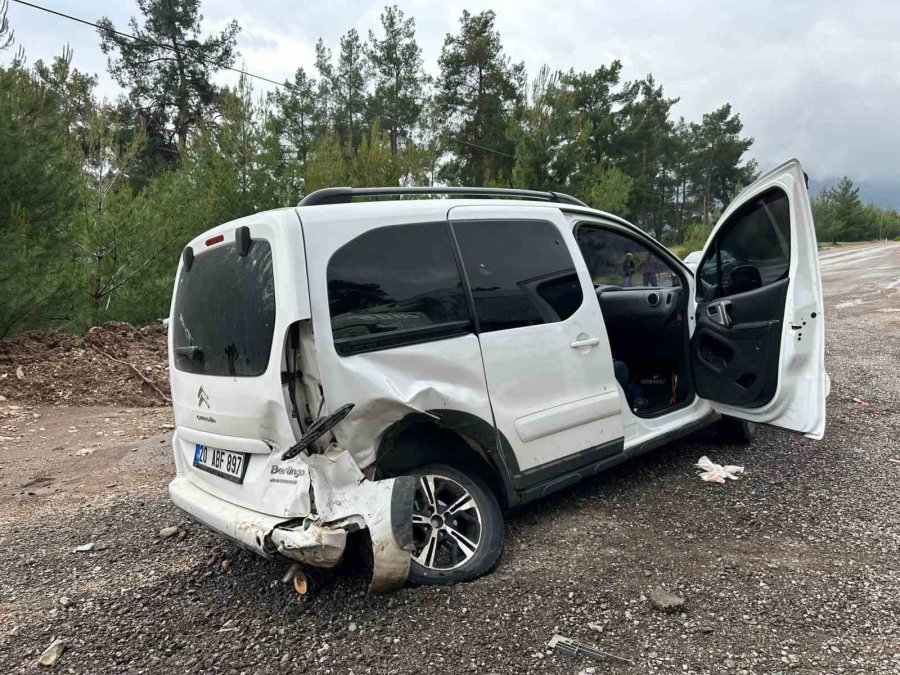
520	272
753	248
225	312
393	286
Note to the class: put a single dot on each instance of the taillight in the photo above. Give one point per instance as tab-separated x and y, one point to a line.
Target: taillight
215	240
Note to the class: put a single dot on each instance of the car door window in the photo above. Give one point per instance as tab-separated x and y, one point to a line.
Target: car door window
751	250
520	272
395	285
616	260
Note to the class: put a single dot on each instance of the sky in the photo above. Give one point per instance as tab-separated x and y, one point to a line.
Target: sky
813	79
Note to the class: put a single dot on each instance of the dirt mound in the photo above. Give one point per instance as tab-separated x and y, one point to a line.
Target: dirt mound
113	364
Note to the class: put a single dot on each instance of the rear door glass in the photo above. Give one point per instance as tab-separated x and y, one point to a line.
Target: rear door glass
224	314
520	272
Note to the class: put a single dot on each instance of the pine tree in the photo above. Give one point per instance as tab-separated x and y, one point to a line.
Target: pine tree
400	81
847	215
344	85
168	70
298	116
479	93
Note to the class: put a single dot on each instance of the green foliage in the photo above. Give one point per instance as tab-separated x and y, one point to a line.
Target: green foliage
840	215
343	86
479	93
97	200
38	194
168	69
695	237
400	82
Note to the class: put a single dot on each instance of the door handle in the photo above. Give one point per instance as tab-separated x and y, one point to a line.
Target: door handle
718	312
586	342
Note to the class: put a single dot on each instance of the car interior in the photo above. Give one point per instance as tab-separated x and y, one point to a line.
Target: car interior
644	300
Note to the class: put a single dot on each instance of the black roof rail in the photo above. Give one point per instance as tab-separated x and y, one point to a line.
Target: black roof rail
344	195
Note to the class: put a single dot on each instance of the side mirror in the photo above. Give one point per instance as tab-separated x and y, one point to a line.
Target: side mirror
744	278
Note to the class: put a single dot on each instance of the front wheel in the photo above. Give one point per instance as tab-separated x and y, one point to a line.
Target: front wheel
458	528
733	430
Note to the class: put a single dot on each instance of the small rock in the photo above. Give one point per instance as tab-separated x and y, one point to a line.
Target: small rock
84	452
52	653
20	375
65	601
167	532
665	601
351	627
84	548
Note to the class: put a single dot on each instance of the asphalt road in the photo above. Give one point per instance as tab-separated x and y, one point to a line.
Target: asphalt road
793	568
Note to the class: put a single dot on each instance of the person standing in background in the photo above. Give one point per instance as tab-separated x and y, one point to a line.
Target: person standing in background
650	268
628	269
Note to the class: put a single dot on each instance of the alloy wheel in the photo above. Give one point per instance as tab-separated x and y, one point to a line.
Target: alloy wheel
447	525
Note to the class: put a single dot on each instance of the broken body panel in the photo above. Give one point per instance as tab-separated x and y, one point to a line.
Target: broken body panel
301	508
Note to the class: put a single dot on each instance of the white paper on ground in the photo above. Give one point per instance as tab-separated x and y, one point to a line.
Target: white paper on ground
716	473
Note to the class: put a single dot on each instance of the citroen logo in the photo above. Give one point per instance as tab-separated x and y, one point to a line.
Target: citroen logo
202	397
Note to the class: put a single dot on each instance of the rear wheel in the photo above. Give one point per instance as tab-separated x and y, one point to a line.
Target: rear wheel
458	528
733	430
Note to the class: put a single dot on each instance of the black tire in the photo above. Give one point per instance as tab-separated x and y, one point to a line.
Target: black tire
739	432
449	562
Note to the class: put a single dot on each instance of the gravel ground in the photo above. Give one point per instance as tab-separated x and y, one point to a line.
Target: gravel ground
793	568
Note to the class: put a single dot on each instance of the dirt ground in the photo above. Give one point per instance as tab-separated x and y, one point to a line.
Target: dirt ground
793	568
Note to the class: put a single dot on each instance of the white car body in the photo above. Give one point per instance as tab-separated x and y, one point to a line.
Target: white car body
692	260
540	404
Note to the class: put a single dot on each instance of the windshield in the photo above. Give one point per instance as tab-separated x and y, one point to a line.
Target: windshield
224	314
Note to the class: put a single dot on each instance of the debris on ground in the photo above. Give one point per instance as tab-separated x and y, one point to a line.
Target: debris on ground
87	548
52	653
84	452
112	364
566	646
716	473
662	600
859	401
167	532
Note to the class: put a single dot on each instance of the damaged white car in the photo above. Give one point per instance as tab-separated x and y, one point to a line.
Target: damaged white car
417	367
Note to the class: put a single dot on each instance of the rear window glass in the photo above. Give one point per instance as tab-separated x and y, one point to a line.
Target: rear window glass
395	285
224	314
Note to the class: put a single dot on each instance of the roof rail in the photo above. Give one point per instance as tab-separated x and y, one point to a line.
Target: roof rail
344	195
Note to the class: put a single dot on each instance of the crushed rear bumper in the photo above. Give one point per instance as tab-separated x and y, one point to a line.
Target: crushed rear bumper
345	500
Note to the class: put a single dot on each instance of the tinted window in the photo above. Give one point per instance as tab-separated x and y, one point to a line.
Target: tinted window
225	312
395	285
520	272
616	260
752	249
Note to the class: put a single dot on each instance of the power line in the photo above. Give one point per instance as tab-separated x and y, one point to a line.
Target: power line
221	66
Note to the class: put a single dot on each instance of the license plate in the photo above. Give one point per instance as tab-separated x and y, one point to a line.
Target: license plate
225	463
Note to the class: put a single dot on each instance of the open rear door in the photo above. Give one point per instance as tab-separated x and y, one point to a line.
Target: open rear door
758	347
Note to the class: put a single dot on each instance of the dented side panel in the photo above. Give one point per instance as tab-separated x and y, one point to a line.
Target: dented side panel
387	385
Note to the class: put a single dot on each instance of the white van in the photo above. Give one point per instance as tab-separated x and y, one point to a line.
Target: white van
417	367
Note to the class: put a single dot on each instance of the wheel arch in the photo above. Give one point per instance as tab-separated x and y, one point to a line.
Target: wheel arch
460	439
